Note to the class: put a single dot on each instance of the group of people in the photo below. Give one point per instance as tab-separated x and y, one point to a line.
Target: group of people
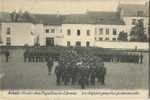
132	58
124	58
76	68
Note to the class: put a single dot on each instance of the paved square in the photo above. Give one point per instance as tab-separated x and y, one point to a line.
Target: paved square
16	74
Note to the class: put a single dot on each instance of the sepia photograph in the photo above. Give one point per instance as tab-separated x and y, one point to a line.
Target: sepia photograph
74	45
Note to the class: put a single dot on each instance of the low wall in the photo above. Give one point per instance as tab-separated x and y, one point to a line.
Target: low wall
123	45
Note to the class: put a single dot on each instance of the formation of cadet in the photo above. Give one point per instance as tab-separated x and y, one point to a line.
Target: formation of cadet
39	54
43	54
82	69
124	58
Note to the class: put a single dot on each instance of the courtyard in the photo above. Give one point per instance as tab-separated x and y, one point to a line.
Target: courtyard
17	74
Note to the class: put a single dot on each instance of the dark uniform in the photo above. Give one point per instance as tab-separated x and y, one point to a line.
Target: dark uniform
50	65
83	78
66	75
74	74
58	73
7	55
102	74
141	58
92	75
25	56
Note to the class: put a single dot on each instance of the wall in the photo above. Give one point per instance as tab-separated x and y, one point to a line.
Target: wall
123	45
73	37
21	33
56	35
119	28
39	31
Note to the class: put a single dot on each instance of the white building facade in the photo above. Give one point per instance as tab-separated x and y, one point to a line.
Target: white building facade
73	30
20	34
78	35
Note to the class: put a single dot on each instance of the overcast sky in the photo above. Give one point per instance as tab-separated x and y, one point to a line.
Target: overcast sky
63	6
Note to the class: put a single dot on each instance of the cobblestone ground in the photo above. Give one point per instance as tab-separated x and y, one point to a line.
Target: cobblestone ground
19	75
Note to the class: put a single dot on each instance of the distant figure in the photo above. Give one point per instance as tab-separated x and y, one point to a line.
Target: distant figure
141	58
50	65
103	72
136	48
7	54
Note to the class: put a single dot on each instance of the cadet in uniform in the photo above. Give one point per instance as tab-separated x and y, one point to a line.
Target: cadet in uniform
141	58
74	74
7	55
66	75
83	78
50	65
92	75
103	74
58	74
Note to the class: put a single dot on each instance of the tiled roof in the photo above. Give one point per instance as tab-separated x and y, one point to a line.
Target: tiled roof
77	19
90	17
49	19
106	18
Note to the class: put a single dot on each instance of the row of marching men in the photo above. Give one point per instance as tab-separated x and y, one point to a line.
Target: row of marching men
42	55
124	58
39	55
78	69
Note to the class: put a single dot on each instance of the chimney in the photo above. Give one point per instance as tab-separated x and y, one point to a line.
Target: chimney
120	10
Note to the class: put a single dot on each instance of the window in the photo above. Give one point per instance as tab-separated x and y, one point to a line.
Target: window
87	44
68	43
95	38
107	31
100	39
60	30
100	31
114	39
114	31
78	43
69	32
8	41
47	30
106	38
140	13
52	30
78	32
8	31
133	21
88	32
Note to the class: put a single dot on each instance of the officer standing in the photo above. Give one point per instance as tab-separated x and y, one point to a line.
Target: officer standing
58	74
74	74
141	58
92	75
67	74
103	73
50	65
82	77
7	54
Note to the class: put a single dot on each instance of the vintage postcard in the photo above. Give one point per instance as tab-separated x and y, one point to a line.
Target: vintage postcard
74	49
